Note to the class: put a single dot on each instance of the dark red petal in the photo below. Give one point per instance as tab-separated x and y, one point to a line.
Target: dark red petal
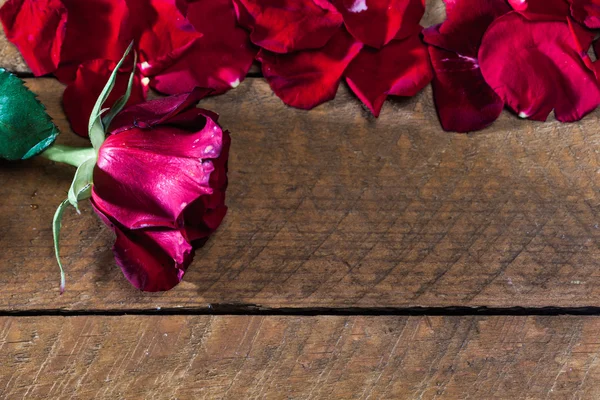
546	71
463	99
154	112
151	260
148	176
37	28
162	31
586	12
219	60
542	10
400	68
205	215
377	22
282	26
466	22
309	78
80	96
96	29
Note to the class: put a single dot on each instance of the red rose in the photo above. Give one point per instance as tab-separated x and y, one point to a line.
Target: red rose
159	183
180	46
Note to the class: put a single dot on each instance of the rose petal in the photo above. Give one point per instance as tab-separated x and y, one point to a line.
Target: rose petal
586	12
464	101
546	71
80	96
283	26
151	261
146	177
542	10
163	33
309	78
151	113
37	28
96	29
377	22
467	21
400	68
205	215
219	60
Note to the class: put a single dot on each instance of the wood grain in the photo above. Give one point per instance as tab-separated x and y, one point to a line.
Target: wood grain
333	208
203	357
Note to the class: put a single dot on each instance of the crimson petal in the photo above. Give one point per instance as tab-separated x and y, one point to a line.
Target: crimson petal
377	22
147	178
400	68
37	28
163	33
542	10
546	71
80	96
96	29
151	113
463	99
219	60
467	21
586	12
151	261
309	78
283	26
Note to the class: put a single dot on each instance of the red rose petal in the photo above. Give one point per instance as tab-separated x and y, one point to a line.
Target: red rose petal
151	261
467	21
586	12
147	176
377	22
283	26
542	10
95	30
205	215
464	101
37	28
219	60
163	33
80	96
546	71
400	68
309	78
151	113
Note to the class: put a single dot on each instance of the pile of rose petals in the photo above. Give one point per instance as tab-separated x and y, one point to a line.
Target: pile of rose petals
529	55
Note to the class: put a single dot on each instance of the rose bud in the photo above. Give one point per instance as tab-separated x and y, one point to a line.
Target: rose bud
159	183
156	174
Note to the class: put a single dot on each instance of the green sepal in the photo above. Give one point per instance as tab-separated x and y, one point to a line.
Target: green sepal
81	188
96	127
56	225
120	104
25	127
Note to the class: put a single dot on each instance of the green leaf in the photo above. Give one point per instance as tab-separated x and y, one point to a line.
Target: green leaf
25	127
119	104
95	127
56	225
81	188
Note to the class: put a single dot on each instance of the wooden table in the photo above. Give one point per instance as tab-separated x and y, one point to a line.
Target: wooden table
361	258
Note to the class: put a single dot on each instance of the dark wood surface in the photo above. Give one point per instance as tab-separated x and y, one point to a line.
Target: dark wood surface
333	208
331	211
240	357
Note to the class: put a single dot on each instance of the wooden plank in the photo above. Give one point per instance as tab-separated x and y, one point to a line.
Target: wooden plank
333	208
242	357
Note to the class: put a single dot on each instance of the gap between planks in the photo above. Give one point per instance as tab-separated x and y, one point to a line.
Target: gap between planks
255	310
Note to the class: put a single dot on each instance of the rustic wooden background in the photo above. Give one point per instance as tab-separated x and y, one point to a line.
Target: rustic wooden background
373	258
